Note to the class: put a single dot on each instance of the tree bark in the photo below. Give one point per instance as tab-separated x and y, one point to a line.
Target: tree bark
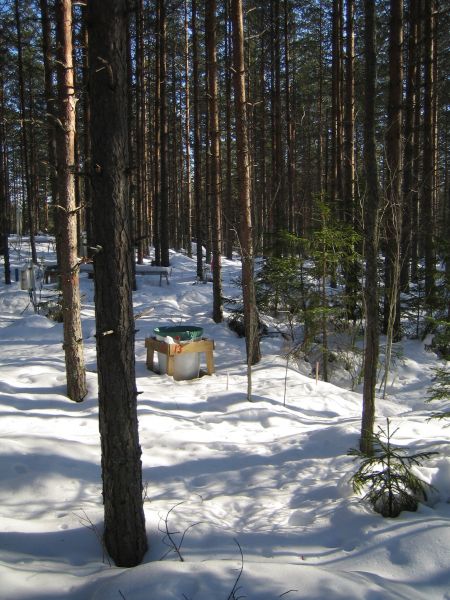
197	142
49	92
411	140
30	204
371	346
278	167
428	166
351	270
4	190
66	239
243	169
416	159
157	149
214	135
86	136
290	128
187	134
124	531
228	207
336	108
394	175
140	199
164	134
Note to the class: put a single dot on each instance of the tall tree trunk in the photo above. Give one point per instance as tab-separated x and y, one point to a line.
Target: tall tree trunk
124	531
66	237
176	167
164	135
243	169
428	166
229	208
214	136
131	113
290	129
262	191
411	140
321	184
86	136
351	271
336	108
4	189
30	204
394	174
278	172
394	180
197	142
371	346
416	159
187	121
140	202
157	148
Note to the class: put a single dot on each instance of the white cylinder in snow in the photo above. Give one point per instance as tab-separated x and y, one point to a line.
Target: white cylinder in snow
185	366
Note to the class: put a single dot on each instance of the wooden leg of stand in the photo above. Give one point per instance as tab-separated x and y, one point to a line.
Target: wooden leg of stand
170	365
209	362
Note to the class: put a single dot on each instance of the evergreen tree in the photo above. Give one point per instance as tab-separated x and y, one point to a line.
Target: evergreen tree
392	485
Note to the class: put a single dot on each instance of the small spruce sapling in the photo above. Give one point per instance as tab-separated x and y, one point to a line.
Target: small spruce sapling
440	390
387	474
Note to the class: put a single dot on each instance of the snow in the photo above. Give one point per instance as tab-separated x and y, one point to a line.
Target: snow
268	479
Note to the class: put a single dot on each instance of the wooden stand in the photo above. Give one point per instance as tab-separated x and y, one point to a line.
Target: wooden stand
172	350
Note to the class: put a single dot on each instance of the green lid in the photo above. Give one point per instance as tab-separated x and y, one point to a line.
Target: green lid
182	333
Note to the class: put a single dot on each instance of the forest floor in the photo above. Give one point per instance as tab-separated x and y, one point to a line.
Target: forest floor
257	493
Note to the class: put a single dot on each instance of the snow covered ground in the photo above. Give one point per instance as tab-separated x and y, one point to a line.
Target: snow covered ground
269	478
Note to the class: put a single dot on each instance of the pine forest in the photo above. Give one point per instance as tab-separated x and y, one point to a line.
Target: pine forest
312	137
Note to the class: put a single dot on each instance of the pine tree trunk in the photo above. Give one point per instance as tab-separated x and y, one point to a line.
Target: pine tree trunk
336	109
4	190
417	156
30	206
197	142
86	136
187	116
124	531
394	175
164	136
411	141
290	129
139	210
67	220
351	270
214	136
371	345
278	173
246	236
157	148
131	112
49	103
262	190
229	208
428	165
176	181
321	185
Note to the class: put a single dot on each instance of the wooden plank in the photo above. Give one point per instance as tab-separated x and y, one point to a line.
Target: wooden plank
172	350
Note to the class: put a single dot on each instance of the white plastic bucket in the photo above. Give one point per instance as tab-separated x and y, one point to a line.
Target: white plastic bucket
27	278
186	366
